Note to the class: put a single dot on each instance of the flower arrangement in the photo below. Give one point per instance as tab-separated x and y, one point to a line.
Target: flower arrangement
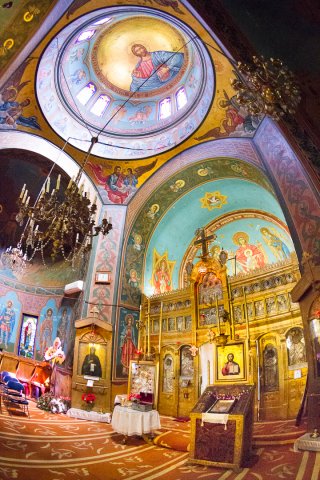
89	399
52	404
134	397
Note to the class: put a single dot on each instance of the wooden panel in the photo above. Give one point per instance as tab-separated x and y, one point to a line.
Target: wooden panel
9	363
25	371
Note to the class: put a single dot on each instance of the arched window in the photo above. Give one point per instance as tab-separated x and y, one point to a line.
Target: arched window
102	21
181	98
165	108
86	93
85	35
100	106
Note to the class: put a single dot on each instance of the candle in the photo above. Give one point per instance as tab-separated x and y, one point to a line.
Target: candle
48	185
52	193
139	330
218	319
22	191
70	182
160	327
25	196
58	182
149	349
77	237
27	202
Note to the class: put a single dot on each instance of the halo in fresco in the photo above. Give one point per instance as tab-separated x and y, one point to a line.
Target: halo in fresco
138	78
114	61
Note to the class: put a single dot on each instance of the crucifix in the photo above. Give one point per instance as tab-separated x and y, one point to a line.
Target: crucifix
203	241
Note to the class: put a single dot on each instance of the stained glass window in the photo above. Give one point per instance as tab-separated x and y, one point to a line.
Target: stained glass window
181	98
27	335
102	21
99	107
86	93
165	108
86	35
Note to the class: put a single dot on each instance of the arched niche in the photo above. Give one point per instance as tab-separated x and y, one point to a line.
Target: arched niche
92	363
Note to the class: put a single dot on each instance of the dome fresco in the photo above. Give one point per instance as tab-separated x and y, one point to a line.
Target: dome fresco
138	78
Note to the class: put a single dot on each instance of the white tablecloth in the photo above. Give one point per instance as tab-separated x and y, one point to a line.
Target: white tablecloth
307	443
132	422
215	418
85	415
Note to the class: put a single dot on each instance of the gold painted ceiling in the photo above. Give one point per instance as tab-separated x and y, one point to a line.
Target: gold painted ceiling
219	119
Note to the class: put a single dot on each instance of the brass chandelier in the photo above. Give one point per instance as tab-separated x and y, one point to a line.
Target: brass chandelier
266	87
59	226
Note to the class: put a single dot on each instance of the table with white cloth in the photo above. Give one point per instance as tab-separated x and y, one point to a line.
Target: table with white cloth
306	442
130	422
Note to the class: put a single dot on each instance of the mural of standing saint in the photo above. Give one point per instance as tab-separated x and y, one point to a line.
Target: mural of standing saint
162	278
7	319
154	69
128	344
46	332
63	328
273	240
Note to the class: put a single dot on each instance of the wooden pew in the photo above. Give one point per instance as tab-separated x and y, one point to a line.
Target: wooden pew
30	372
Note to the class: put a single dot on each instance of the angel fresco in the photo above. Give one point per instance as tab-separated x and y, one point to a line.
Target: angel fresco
236	119
120	186
10	108
273	240
161	278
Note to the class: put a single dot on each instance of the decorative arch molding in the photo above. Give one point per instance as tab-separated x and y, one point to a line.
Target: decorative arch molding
36	144
236	148
295	189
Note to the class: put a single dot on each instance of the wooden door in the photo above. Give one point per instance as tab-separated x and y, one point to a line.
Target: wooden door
272	404
187	387
168	382
297	369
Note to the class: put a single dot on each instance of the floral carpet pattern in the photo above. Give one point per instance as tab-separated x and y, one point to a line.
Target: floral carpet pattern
56	447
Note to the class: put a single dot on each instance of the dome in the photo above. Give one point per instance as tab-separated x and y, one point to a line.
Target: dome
137	78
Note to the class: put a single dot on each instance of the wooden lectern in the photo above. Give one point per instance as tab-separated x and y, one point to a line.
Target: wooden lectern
221	426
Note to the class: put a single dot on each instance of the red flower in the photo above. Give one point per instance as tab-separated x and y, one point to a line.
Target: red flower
88	397
133	397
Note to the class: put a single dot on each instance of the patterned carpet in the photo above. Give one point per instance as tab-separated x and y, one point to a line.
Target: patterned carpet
53	447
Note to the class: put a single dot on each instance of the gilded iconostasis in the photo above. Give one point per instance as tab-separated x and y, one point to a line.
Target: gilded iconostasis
172	151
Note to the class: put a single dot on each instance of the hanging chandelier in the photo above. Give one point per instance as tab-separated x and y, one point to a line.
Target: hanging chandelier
57	226
266	87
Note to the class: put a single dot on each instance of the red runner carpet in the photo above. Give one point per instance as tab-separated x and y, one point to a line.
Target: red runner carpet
53	447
